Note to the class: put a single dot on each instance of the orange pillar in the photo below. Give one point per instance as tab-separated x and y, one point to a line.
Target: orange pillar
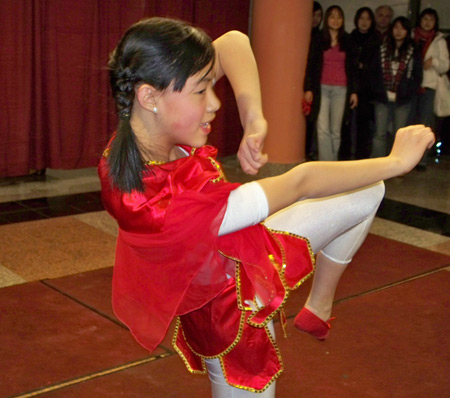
280	37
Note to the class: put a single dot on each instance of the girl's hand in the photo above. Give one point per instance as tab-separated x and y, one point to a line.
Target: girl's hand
428	63
409	146
308	96
353	101
250	153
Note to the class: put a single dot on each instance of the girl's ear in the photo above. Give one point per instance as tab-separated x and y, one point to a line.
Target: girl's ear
146	94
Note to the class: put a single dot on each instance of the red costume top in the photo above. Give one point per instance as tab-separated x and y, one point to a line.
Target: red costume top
171	262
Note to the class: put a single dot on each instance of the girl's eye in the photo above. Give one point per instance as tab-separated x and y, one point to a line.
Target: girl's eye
202	91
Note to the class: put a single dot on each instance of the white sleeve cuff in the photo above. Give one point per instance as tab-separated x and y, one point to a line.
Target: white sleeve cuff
247	206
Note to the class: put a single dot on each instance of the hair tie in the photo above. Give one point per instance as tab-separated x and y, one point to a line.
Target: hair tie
124	115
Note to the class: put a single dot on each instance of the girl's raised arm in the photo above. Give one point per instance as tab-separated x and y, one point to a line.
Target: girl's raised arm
235	59
319	179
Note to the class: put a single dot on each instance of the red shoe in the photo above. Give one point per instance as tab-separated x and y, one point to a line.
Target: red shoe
308	322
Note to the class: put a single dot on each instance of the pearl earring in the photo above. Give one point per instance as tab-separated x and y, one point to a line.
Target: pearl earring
155	109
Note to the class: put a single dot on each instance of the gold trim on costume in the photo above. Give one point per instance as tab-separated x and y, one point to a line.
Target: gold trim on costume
228	349
186	362
274	377
281	272
238	289
283	255
281	268
154	162
219	169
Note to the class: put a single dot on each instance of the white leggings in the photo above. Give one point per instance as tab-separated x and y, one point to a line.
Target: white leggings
336	225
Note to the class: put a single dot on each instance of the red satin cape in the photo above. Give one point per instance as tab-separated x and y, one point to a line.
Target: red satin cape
170	262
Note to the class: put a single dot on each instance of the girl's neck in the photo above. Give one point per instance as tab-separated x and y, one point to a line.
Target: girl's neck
333	37
398	43
152	146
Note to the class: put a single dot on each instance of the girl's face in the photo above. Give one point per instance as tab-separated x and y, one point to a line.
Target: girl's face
317	18
185	117
335	20
427	22
399	32
364	22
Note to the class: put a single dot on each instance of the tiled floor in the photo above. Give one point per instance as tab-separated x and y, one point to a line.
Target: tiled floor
59	337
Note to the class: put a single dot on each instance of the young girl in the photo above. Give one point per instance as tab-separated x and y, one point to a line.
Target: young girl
366	41
434	55
435	58
331	81
395	75
190	244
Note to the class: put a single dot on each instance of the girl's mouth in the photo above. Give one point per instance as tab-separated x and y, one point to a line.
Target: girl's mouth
206	127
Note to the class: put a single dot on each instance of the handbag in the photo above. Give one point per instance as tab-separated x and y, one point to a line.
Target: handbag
442	98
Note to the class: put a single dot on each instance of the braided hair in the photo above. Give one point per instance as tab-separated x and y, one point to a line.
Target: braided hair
159	52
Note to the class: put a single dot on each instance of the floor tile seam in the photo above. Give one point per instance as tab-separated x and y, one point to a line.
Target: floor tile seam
75	210
25	210
82	379
435	228
101	208
393	284
424	211
67	211
414	216
93	195
46	283
93	309
385	287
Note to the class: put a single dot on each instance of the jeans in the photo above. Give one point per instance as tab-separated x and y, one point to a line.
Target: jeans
422	112
385	113
422	108
329	122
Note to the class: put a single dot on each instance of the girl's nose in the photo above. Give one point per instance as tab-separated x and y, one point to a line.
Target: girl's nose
213	102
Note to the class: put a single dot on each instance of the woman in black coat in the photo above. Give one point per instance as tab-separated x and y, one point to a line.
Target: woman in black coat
367	43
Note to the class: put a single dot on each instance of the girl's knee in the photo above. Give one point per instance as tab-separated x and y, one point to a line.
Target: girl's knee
370	200
378	193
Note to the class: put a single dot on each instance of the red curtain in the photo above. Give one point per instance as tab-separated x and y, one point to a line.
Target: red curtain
57	110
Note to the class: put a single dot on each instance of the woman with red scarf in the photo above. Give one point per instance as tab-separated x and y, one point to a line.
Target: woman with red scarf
435	57
395	75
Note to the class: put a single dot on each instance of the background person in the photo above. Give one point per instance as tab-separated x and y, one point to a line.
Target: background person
311	133
395	75
383	19
367	44
433	51
331	81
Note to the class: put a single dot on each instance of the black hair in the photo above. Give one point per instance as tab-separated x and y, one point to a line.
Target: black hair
317	6
358	14
429	11
160	52
326	37
390	38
